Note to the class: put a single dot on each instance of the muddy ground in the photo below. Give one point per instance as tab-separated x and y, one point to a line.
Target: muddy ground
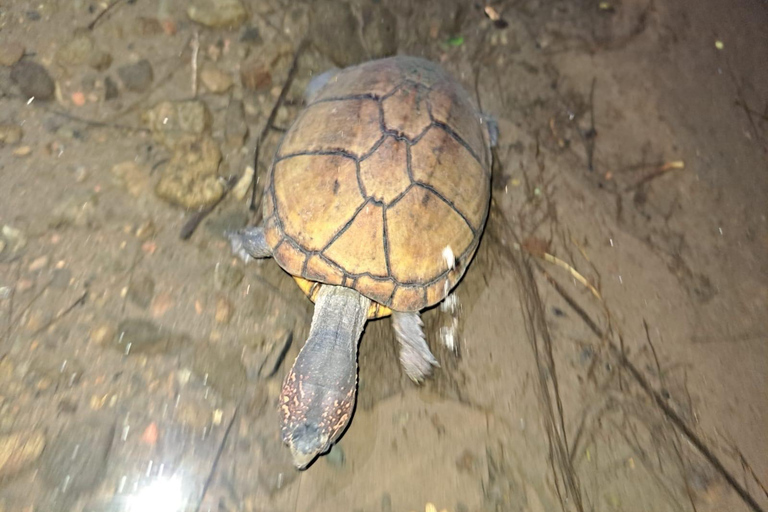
612	334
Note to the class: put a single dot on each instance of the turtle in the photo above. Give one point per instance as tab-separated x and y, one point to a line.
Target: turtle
375	203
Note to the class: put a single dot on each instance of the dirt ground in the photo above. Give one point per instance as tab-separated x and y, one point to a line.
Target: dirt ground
611	331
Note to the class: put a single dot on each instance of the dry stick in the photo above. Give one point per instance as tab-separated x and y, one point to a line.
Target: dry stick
195	53
103	13
10	304
273	114
216	459
653	351
78	302
657	398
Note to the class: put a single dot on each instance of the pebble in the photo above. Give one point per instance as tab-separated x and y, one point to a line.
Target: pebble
33	80
224	310
136	77
11	53
190	179
76	51
61	278
214	79
102	333
10	134
161	304
218	13
18	450
110	89
22	151
255	75
172	122
79	210
38	264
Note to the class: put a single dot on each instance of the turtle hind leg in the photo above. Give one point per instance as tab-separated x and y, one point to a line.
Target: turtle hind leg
415	357
249	243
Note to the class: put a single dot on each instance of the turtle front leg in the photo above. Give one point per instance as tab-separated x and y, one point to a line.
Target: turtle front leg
318	395
249	243
415	357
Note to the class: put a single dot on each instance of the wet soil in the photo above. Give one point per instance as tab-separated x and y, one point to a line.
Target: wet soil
611	331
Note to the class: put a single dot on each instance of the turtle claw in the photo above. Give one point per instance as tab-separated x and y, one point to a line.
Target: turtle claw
415	357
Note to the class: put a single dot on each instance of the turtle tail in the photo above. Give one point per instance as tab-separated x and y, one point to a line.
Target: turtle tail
318	395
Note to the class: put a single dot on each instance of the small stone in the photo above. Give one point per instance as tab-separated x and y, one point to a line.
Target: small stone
18	450
33	80
11	53
100	61
214	79
110	89
141	290
38	264
172	123
136	77
77	51
22	151
251	35
102	333
149	26
10	134
218	13
386	502
255	75
146	230
161	304
190	179
224	310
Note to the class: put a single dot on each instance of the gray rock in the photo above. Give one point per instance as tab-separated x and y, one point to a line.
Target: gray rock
136	77
214	79
76	51
33	80
217	13
221	369
110	89
235	127
138	336
191	178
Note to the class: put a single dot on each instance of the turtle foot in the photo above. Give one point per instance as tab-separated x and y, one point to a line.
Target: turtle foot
248	244
415	357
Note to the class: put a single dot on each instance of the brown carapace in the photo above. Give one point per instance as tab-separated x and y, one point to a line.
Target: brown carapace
382	185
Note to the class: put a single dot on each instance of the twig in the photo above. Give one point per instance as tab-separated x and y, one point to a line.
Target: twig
653	351
216	459
78	302
195	53
103	13
663	169
10	303
97	124
196	218
273	114
676	420
591	134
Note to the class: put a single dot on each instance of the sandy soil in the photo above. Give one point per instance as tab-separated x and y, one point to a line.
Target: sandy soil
612	333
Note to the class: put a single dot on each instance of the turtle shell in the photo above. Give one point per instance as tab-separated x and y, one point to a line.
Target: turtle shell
382	184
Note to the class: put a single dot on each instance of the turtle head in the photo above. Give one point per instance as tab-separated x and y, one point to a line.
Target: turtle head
313	416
